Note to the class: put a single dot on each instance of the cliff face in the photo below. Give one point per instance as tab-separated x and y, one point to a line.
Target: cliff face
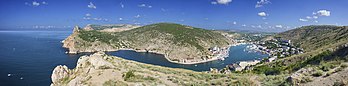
179	43
75	44
100	69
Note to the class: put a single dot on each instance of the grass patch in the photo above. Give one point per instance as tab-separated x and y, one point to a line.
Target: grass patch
114	83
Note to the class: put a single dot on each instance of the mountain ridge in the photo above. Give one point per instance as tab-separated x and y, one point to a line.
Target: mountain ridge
179	43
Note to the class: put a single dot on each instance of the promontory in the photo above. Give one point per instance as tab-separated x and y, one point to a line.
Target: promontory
178	43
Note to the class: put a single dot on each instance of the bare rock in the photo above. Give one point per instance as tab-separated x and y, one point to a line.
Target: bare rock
59	73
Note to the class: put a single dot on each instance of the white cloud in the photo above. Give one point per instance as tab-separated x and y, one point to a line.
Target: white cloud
86	18
97	19
45	3
142	5
263	14
88	15
234	22
122	6
221	2
252	26
315	17
120	19
145	5
35	3
323	13
279	26
308	17
137	16
303	19
270	27
244	25
91	5
261	3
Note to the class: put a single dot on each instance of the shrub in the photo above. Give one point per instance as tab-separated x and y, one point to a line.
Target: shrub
339	69
344	65
128	75
114	83
148	78
306	79
318	73
267	70
339	83
104	67
329	73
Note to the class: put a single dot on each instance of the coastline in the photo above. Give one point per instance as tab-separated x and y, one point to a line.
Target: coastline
186	63
215	57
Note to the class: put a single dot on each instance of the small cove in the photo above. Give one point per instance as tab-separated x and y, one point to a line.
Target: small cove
32	56
236	54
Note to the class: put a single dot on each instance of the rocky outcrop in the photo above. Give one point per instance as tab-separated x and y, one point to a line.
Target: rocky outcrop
75	44
86	66
59	73
100	69
70	41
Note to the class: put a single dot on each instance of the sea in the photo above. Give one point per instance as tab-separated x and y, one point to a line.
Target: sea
28	57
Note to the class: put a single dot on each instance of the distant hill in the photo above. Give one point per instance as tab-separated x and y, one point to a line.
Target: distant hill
316	36
177	42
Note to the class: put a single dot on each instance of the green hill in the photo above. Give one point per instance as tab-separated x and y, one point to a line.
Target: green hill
177	42
314	37
326	53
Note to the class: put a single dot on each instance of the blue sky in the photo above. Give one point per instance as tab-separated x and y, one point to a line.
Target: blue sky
256	15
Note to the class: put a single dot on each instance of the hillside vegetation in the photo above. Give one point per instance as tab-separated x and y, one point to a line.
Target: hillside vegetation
177	42
100	69
313	37
325	61
326	53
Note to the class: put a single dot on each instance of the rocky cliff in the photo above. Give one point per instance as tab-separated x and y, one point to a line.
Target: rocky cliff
75	44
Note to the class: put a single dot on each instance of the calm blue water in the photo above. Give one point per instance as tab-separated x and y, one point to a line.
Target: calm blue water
237	54
32	55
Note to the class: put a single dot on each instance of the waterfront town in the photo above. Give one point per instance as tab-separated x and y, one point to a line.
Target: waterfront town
276	48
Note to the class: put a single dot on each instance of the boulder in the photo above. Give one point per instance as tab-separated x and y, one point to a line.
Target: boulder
59	73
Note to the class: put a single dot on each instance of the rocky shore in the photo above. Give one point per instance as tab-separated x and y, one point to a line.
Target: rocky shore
100	69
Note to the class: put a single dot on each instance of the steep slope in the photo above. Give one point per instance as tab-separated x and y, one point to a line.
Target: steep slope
99	69
326	53
314	37
179	43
